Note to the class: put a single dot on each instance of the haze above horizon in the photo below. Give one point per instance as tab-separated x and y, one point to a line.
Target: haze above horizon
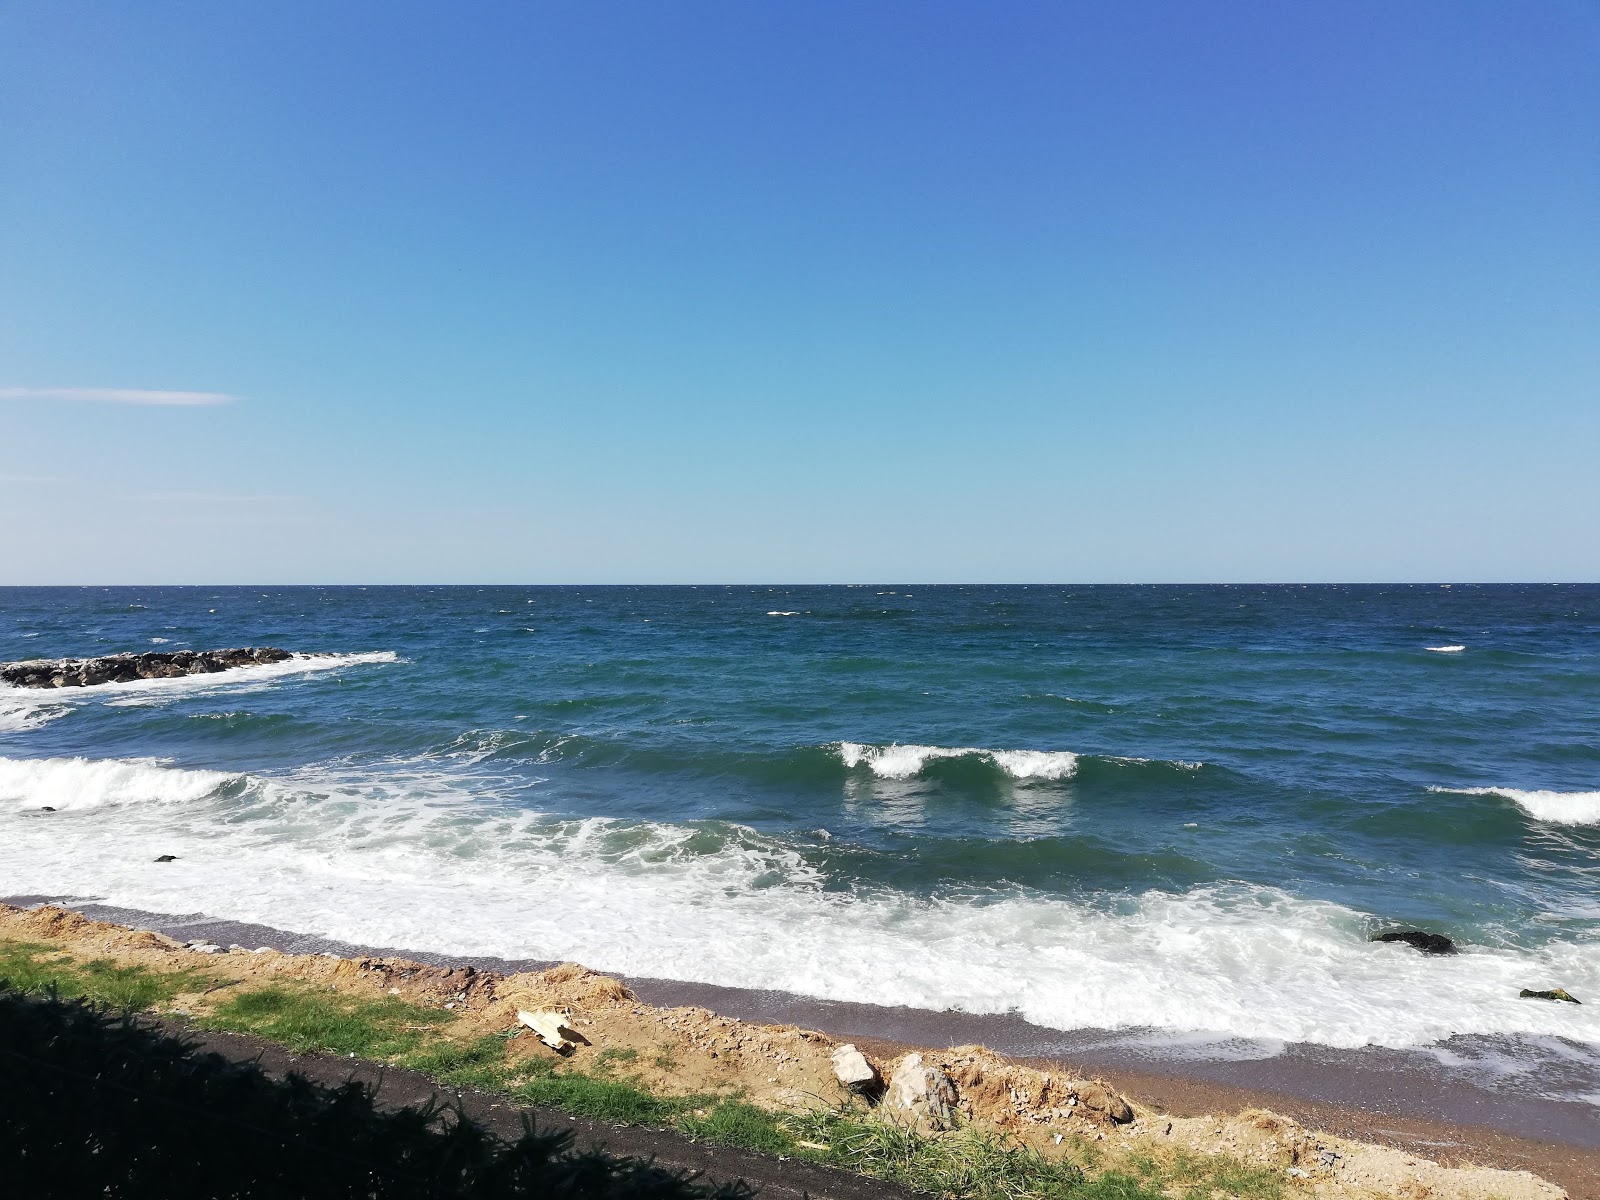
777	293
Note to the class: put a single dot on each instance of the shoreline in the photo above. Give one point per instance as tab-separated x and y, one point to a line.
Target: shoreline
1382	1097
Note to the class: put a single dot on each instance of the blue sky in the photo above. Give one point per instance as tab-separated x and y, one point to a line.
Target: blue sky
799	292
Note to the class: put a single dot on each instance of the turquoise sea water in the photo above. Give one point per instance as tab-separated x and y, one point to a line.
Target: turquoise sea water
1176	811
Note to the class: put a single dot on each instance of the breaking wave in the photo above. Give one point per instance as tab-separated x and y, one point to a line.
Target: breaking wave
813	765
422	854
898	761
904	760
1558	808
73	784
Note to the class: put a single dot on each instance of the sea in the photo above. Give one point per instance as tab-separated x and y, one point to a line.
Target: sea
1170	815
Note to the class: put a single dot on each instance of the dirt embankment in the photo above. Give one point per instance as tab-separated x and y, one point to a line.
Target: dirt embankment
691	1051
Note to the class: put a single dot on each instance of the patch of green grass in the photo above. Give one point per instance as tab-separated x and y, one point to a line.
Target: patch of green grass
310	1020
735	1123
32	968
480	1063
604	1099
965	1164
598	1093
1114	1185
609	1059
1197	1176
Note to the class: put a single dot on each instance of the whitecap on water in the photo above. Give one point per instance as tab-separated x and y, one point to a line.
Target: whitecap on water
1558	808
897	761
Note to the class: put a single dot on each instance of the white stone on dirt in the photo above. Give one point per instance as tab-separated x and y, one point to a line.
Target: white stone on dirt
551	1027
851	1068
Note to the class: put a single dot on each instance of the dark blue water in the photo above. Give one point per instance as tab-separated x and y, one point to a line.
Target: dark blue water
1174	808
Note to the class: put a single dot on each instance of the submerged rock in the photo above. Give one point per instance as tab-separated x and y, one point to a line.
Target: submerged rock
1417	939
126	668
1552	994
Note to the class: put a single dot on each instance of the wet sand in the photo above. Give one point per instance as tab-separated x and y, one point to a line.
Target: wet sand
1391	1097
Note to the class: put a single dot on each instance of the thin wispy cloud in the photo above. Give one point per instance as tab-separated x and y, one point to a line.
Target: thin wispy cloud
207	498
118	396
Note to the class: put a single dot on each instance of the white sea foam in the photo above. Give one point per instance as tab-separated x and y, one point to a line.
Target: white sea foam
70	784
777	613
1445	649
25	708
898	761
1559	808
425	855
1035	764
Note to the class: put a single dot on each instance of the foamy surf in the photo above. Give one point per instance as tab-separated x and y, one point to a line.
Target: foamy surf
1444	649
22	709
896	761
414	853
1558	808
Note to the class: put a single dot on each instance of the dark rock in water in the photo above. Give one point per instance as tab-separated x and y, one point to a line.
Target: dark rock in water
46	808
1552	994
126	668
1428	943
168	858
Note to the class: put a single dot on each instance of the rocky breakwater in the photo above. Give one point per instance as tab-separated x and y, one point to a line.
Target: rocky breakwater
127	668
